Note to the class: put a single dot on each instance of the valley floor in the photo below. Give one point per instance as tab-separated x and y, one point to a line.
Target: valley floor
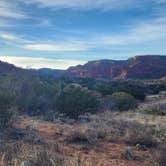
102	154
104	141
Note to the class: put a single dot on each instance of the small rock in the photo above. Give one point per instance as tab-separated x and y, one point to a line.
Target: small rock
129	154
141	147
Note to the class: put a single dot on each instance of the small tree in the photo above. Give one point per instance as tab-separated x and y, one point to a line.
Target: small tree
123	101
5	113
75	100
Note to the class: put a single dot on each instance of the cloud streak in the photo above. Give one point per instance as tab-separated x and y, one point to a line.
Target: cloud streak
65	46
151	31
141	33
36	63
8	10
96	4
88	4
138	34
8	36
5	24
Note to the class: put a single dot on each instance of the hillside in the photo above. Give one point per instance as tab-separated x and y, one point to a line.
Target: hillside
48	120
139	67
10	69
6	68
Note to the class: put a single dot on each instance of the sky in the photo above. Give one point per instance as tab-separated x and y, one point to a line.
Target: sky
62	33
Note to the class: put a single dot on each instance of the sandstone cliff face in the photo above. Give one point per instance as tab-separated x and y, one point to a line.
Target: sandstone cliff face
139	67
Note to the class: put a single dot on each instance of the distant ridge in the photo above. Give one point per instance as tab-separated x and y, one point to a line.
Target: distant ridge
10	69
138	67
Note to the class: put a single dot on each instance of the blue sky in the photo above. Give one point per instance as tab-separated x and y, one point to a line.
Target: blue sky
63	33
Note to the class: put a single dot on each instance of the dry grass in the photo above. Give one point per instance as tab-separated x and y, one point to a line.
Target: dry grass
100	142
14	154
155	107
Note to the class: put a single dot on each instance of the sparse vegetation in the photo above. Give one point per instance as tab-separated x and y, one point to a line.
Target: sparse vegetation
158	108
5	112
68	138
19	153
135	89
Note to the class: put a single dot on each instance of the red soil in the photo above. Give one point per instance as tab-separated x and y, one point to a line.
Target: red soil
103	154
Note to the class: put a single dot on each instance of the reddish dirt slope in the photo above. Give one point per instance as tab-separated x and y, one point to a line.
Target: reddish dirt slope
103	154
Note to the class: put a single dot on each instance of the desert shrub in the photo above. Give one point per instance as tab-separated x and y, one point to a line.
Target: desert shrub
77	137
107	103
75	100
123	101
11	150
101	129
158	108
155	87
130	132
19	153
32	136
140	134
133	133
45	158
38	97
84	82
5	112
83	136
136	89
89	133
42	159
104	88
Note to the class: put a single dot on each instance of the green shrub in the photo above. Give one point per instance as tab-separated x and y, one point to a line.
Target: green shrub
75	100
136	89
38	97
123	101
5	113
107	103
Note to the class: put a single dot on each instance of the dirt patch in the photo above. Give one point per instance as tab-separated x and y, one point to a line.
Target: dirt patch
102	154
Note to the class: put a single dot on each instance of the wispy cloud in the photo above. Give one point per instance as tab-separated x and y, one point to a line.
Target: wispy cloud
152	30
88	4
5	24
141	33
66	46
8	36
96	4
8	10
36	63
